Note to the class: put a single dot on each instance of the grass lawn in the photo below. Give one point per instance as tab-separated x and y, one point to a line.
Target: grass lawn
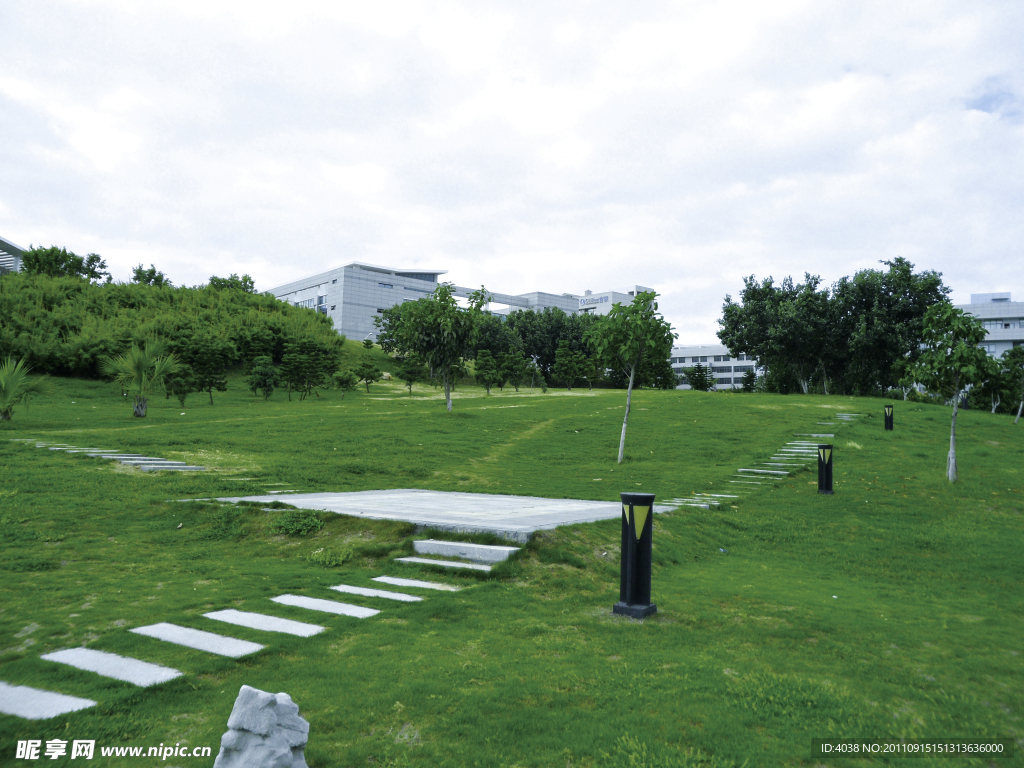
892	609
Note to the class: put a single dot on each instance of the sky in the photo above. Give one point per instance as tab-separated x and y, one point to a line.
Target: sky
552	146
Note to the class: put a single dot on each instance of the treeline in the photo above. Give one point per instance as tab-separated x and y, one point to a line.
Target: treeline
68	325
542	348
861	336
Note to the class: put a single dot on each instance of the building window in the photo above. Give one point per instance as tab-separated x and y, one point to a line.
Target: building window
385	285
333	306
721	369
321	300
380	311
334	281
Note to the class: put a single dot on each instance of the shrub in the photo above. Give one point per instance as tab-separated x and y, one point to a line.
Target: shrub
298	522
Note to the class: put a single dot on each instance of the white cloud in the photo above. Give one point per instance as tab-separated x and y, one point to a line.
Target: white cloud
536	146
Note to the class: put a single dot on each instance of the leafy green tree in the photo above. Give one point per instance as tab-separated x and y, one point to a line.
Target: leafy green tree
440	332
514	367
699	377
307	364
233	282
346	381
568	364
626	337
367	344
181	383
749	380
60	262
368	373
151	276
993	388
410	371
142	370
263	376
951	362
16	387
486	369
1013	364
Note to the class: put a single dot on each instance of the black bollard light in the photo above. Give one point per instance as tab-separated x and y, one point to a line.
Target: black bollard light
824	469
888	418
635	568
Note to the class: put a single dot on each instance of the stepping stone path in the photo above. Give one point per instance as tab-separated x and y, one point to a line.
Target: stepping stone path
145	463
38	704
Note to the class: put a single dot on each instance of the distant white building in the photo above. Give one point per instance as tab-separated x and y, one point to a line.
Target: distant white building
10	256
1002	318
354	294
728	370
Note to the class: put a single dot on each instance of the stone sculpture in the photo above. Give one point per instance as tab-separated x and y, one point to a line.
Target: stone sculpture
265	731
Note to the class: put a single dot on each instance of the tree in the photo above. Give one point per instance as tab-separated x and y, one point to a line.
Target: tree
307	364
440	332
567	364
151	276
486	369
629	335
514	367
233	282
699	377
209	356
951	362
368	373
16	387
346	381
60	262
367	344
263	376
1013	364
142	369
749	380
410	371
181	383
994	386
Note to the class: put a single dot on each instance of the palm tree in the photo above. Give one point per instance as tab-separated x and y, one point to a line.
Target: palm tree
16	387
141	370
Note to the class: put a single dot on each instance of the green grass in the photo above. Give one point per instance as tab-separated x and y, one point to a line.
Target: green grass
748	658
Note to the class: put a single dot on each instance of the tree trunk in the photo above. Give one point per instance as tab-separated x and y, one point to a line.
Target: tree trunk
447	390
951	459
625	419
1019	409
211	395
6	415
996	400
139	408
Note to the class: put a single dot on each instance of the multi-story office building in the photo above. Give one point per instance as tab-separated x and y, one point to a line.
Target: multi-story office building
728	370
1002	318
10	257
354	294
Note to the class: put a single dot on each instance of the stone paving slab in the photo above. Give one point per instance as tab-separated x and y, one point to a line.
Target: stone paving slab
512	517
37	704
415	583
478	553
444	563
198	639
326	606
400	596
266	623
129	670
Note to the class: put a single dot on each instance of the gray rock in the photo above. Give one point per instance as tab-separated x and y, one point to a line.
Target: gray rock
265	731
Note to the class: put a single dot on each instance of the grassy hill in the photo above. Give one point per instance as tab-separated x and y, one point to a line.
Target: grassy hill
892	609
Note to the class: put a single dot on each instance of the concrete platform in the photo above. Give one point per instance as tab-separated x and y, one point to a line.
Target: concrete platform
511	517
37	704
443	563
123	668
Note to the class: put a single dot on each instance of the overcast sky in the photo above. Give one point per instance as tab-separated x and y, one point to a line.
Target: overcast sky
554	146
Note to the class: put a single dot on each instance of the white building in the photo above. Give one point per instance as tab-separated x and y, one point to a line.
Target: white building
10	257
1002	318
354	294
727	370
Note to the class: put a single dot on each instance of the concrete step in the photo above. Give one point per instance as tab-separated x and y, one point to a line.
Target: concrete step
764	471
476	553
162	468
443	563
